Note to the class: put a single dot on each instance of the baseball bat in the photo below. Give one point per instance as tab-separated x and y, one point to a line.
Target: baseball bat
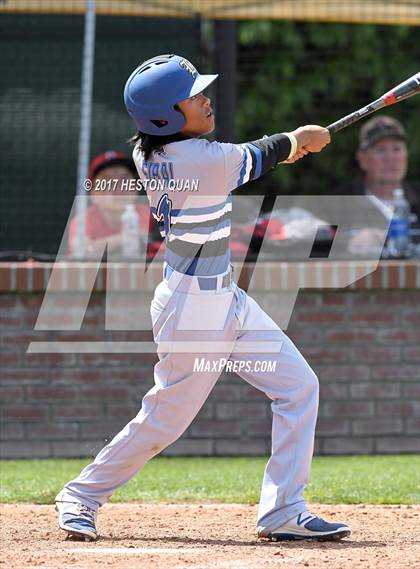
404	90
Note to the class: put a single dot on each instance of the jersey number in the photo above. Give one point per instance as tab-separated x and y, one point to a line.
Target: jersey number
163	212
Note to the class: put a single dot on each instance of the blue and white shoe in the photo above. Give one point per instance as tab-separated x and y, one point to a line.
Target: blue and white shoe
78	520
306	526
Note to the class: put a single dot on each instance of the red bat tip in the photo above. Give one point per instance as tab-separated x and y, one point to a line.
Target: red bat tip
390	98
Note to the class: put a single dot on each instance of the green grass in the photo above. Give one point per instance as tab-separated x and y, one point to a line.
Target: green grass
346	480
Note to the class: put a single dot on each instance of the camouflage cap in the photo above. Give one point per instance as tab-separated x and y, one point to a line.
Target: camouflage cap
378	128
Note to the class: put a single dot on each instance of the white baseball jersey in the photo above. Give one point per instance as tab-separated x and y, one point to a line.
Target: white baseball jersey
188	186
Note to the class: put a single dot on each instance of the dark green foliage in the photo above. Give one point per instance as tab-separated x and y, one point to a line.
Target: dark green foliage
293	73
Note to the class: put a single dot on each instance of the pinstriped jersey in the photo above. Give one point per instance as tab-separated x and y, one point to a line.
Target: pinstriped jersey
189	187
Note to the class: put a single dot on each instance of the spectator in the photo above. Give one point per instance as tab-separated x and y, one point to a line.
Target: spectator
382	157
103	216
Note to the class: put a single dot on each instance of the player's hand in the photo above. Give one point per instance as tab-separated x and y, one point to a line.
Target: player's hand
297	156
312	137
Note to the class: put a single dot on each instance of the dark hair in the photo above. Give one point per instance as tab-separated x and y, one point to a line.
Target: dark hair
150	143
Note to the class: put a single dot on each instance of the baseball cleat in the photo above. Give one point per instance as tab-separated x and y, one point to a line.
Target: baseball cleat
78	520
307	526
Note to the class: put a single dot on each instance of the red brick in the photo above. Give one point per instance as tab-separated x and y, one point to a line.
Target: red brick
373	317
394	276
90	359
93	321
21	340
25	449
102	429
128	410
76	375
31	301
259	428
10	323
304	335
335	299
413	425
398	336
412	354
411	317
216	429
52	393
320	316
396	372
76	449
10	394
76	336
375	391
326	354
348	445
11	431
48	431
111	393
233	447
9	359
9	301
411	391
349	336
397	297
239	410
22	279
136	376
38	279
333	391
375	354
386	426
206	411
330	427
397	445
305	299
24	412
52	359
351	372
78	411
5	278
226	392
397	408
24	375
29	321
190	447
349	409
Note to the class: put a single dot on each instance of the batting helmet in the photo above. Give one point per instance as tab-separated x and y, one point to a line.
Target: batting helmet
156	86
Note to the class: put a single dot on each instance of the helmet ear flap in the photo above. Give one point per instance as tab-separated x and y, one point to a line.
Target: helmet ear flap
160	123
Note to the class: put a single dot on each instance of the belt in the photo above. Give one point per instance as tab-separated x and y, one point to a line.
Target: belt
189	283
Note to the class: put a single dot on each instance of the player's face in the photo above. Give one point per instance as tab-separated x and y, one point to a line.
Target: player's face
385	161
199	118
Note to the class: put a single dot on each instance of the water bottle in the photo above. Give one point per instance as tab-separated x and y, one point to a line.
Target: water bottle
398	244
130	232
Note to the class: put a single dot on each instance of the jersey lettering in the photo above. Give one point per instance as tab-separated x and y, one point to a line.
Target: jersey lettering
163	170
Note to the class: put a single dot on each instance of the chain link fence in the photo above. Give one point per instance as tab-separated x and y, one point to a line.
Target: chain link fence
285	71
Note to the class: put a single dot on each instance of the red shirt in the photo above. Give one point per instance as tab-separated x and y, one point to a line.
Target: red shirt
98	228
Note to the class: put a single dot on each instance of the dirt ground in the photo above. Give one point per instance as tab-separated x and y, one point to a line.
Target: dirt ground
181	536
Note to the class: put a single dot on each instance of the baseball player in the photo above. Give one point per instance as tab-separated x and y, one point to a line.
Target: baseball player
199	312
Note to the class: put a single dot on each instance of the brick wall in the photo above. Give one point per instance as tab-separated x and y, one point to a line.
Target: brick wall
362	341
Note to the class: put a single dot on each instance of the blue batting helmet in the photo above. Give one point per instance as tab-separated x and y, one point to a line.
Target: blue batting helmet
156	86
